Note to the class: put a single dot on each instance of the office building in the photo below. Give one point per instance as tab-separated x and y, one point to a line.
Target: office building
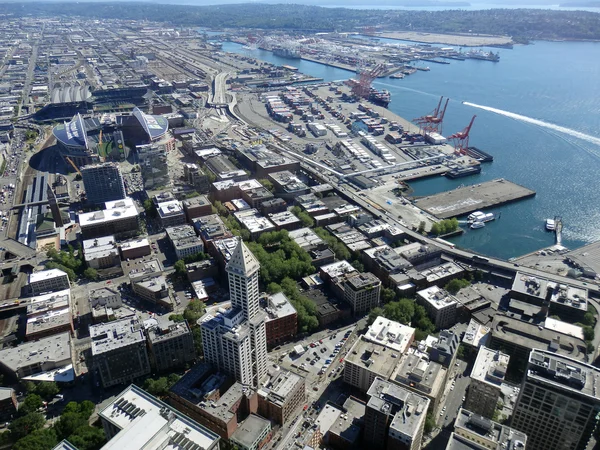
101	252
170	344
197	207
171	213
210	228
254	222
212	400
195	176
103	183
184	241
118	218
49	314
472	431
252	434
136	248
200	270
50	356
136	420
443	350
361	292
236	342
48	281
8	403
282	319
119	351
395	417
487	377
376	353
559	402
102	303
440	306
281	396
417	373
287	185
153	289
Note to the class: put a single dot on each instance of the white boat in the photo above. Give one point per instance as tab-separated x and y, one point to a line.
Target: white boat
486	217
550	224
477	224
475	215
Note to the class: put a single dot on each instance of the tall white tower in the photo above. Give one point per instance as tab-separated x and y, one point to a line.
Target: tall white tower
237	342
243	268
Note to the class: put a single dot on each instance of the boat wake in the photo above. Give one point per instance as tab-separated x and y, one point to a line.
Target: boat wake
540	123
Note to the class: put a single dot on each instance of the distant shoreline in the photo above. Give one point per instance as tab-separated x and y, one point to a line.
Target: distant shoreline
447	39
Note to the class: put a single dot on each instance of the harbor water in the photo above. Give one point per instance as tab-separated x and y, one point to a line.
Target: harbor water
537	112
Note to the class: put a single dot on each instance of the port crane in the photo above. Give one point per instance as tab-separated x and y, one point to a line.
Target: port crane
432	123
362	87
461	139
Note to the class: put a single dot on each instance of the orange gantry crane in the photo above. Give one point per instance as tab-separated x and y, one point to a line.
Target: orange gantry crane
432	123
461	139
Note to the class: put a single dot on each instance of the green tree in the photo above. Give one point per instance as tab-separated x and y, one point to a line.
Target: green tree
68	423
588	333
589	319
387	295
158	387
267	184
273	288
180	268
31	404
358	265
88	437
197	336
429	423
401	311
90	273
435	229
176	318
26	424
422	225
44	439
374	314
456	285
193	311
150	208
47	389
221	210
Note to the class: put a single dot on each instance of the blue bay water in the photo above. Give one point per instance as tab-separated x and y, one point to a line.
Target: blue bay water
554	82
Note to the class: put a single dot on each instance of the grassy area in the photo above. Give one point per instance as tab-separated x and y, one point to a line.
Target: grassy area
105	149
3	168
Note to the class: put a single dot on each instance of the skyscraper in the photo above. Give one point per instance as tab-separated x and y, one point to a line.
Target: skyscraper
236	342
103	182
559	402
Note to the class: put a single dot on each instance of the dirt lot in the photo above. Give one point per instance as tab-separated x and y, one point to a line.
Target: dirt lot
449	39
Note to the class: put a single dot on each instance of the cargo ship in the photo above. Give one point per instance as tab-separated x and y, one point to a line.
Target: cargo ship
286	53
485	56
381	98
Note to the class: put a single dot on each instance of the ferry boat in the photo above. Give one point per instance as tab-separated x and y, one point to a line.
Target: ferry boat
479	216
475	216
550	224
477	224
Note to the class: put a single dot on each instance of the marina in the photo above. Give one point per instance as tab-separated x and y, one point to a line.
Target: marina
465	200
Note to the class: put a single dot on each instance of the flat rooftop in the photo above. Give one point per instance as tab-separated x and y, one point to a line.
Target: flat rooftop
45	275
135	412
475	333
565	373
101	247
183	236
283	218
278	306
113	335
253	221
388	333
160	329
135	243
170	209
490	367
338	269
306	238
250	430
375	357
278	388
139	268
115	210
467	199
226	246
471	425
55	348
532	336
363	281
437	297
415	369
407	408
436	273
543	289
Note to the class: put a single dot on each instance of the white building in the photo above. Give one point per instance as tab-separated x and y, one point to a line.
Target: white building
236	342
171	213
441	306
48	281
101	252
184	240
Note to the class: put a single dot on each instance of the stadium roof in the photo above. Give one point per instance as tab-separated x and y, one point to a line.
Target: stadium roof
72	133
68	93
155	126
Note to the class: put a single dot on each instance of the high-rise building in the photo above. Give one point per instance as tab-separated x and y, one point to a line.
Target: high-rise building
237	342
487	377
103	182
395	417
559	402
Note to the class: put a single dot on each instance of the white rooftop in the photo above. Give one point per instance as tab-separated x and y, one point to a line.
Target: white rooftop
148	423
46	275
254	221
136	243
99	247
563	328
388	333
490	366
170	208
437	297
338	268
115	210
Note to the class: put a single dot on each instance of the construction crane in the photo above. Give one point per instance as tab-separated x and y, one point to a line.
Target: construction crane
461	139
73	164
432	123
